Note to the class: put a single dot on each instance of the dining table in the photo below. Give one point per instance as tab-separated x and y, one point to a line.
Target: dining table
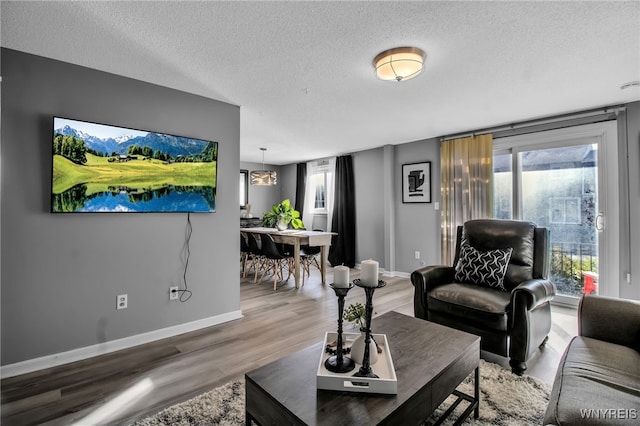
298	238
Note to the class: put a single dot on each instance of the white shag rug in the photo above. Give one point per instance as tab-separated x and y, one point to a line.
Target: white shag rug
505	400
222	406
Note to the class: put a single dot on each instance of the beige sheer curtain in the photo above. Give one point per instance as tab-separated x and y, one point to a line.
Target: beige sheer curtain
466	185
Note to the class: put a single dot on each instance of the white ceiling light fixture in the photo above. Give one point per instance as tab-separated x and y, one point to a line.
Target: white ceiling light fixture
399	63
264	177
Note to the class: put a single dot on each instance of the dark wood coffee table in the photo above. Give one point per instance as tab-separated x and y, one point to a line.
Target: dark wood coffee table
430	362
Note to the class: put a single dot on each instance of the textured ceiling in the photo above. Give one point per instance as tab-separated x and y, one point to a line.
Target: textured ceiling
302	73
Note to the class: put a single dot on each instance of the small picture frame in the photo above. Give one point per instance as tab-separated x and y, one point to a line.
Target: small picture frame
416	182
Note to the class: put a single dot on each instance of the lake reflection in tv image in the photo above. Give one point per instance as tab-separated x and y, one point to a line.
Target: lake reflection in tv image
168	199
100	168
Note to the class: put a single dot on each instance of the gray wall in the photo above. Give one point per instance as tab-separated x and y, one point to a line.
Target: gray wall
288	183
417	224
61	273
370	203
388	230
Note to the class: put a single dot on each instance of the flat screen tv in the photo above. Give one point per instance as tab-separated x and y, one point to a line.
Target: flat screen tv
103	168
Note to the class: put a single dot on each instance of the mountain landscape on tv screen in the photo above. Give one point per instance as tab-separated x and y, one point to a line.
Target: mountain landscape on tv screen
100	168
169	144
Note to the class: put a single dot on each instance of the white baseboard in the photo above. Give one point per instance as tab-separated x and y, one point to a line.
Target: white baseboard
79	354
386	273
396	274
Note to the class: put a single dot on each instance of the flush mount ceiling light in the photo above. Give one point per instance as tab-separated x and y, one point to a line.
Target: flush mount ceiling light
399	64
264	177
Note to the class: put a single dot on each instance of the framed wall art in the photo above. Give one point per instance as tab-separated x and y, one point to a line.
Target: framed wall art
416	182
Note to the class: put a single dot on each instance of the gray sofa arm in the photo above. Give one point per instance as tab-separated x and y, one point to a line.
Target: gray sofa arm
425	279
610	319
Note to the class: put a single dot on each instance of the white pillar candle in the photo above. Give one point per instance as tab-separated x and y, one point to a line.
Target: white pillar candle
341	276
369	273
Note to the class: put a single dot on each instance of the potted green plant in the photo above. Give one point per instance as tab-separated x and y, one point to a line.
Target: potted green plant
281	216
355	314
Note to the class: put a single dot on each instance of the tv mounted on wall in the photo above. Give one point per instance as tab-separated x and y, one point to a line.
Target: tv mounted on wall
103	168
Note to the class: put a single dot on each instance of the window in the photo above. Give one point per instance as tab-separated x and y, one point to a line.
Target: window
244	188
564	210
320	183
502	184
562	180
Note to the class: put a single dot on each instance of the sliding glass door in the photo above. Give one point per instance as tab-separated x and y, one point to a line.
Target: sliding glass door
558	180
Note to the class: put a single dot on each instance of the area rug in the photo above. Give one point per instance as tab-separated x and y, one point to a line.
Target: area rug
505	400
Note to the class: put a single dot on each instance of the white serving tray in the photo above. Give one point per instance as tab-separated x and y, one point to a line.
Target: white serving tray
387	382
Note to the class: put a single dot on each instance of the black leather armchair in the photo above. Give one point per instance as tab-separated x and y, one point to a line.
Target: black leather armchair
511	323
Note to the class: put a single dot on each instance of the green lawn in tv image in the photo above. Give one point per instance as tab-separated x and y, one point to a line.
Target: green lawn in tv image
142	179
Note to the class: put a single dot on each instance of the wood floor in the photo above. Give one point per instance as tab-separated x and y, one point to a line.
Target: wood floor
122	387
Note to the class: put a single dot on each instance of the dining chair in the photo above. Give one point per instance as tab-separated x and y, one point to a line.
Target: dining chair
274	261
256	257
308	257
245	253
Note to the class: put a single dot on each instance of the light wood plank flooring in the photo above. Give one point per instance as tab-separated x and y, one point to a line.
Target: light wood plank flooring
133	383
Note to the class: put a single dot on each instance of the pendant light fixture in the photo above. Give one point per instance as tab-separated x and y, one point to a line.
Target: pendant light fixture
264	177
399	64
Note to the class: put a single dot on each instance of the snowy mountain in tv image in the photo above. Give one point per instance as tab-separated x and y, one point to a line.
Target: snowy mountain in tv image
108	145
109	139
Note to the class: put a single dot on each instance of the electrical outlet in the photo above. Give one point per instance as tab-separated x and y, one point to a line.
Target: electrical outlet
173	293
417	254
121	301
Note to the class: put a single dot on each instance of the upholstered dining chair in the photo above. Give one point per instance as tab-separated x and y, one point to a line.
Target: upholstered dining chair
497	288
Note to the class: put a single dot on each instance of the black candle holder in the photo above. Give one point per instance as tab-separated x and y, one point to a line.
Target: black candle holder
365	368
339	363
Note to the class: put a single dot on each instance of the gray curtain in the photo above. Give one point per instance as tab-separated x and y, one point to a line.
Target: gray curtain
343	245
301	184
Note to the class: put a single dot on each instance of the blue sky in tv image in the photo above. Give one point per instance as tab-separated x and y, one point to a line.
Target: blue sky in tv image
101	131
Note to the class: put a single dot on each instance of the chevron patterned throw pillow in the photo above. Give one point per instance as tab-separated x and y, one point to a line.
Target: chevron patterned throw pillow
486	268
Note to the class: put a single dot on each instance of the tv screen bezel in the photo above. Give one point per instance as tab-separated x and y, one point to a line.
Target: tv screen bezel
133	130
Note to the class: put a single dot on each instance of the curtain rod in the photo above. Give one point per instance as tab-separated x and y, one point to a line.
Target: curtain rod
537	122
